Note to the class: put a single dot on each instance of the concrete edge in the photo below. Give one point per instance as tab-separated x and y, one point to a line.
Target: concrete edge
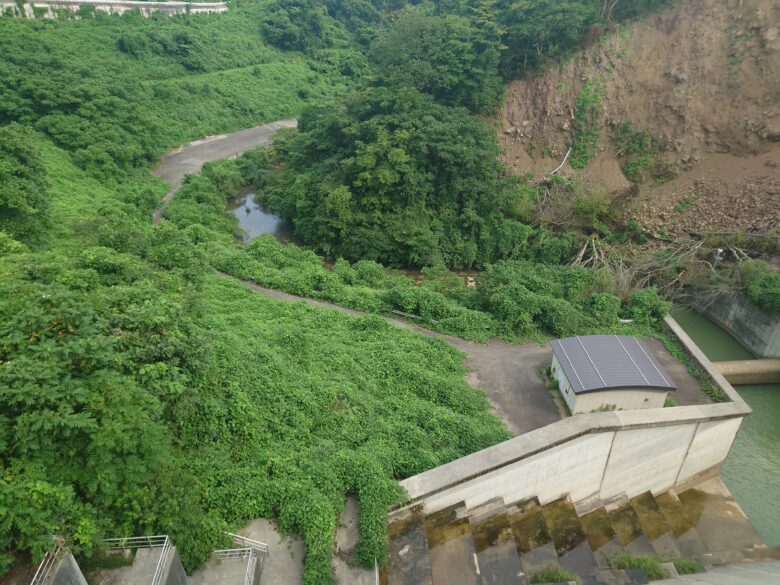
466	468
703	362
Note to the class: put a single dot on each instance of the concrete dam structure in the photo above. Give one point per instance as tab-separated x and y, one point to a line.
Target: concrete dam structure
52	8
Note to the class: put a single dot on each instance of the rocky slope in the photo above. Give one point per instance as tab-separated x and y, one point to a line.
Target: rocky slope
704	78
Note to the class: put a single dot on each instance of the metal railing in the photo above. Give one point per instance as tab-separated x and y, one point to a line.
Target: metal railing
49	560
255	552
135	542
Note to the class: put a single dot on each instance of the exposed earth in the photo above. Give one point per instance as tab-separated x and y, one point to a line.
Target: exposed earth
704	78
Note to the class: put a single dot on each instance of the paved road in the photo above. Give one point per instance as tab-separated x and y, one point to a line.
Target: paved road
190	158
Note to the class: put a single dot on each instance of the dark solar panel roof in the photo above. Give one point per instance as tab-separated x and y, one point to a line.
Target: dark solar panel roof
609	362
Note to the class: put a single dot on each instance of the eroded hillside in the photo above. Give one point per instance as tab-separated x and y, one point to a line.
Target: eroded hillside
703	78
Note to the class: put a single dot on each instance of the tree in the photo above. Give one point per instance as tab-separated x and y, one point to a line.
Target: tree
445	56
297	25
393	176
23	199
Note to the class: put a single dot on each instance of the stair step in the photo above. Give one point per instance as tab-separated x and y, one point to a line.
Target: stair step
653	522
674	513
629	531
451	547
528	526
720	522
563	525
655	526
408	562
485	511
619	577
580	560
602	537
532	538
497	556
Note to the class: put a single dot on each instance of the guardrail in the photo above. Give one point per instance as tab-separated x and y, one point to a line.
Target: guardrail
254	551
49	560
135	542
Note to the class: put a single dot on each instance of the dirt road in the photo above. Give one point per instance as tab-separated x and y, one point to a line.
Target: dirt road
188	159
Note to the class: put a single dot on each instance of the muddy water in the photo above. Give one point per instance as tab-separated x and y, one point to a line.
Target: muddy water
255	220
752	470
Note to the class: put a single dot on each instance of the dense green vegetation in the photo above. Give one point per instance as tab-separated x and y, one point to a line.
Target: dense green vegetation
141	392
118	91
532	296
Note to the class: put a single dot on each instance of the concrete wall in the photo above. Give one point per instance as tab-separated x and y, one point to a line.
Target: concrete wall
66	572
627	399
757	330
51	7
176	574
594	458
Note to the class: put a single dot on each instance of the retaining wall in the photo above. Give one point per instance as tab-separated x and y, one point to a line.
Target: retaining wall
49	8
595	458
756	329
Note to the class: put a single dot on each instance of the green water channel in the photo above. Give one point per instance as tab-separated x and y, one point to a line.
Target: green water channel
752	469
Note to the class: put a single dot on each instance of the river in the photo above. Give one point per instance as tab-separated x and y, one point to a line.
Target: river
255	220
752	469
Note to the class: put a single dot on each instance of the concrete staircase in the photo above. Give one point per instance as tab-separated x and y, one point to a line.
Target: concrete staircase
500	544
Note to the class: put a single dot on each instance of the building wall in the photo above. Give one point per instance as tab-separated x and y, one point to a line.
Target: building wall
564	386
626	399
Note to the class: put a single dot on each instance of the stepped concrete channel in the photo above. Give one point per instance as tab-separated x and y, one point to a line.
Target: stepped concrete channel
496	543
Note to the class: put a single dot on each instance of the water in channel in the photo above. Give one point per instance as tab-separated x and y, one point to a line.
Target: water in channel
752	469
255	220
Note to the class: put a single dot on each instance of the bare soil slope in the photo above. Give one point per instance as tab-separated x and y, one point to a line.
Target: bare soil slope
704	78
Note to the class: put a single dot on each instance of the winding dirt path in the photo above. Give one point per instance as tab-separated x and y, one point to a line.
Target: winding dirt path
508	373
190	158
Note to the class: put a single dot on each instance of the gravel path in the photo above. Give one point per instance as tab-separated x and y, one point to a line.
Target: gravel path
189	159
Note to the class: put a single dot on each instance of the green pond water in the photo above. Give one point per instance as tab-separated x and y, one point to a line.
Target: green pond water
752	469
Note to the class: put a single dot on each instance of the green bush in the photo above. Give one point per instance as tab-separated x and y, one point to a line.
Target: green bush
687	566
554	574
762	285
651	565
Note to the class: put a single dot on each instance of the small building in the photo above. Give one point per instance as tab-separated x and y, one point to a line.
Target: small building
608	372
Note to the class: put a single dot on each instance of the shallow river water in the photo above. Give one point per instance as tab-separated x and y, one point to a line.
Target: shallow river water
255	220
752	469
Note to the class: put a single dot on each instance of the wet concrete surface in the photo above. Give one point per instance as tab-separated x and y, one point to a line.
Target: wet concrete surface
347	538
285	553
408	562
190	158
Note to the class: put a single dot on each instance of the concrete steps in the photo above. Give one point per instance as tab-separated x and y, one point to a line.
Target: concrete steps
499	544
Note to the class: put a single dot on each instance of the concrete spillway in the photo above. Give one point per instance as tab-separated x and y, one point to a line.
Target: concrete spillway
765	371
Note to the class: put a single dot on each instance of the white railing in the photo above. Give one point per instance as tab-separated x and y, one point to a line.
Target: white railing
254	551
49	560
135	542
